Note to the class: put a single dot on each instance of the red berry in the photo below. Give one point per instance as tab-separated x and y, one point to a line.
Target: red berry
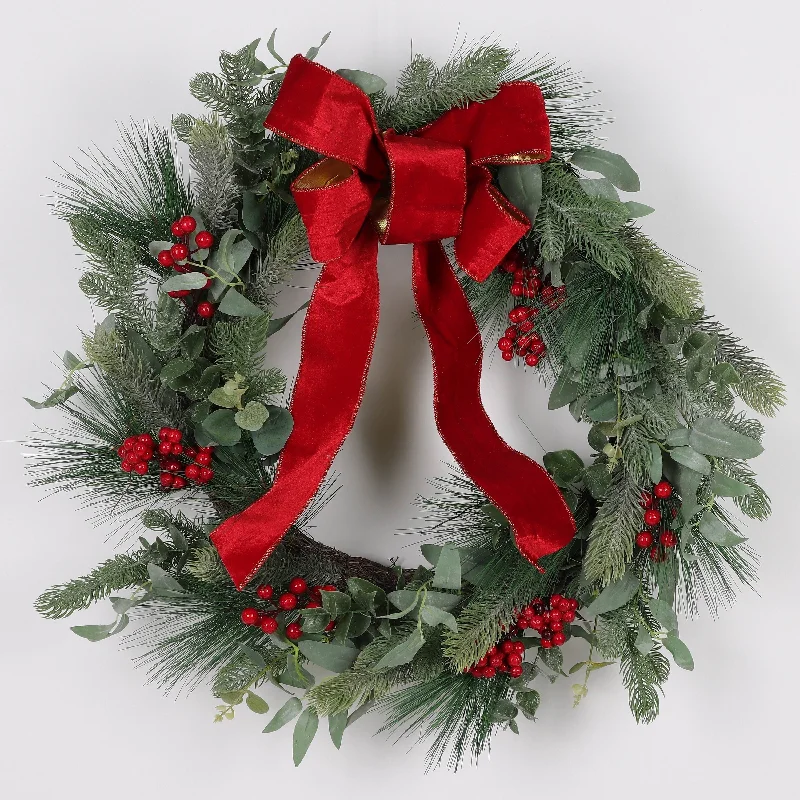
519	647
203	459
482	662
652	517
287	601
204	240
513	659
171	465
537	622
176	229
654	553
179	293
250	616
189	452
515	672
668	539
165	448
646	500
507	646
264	591
130	443
126	466
206	474
559	639
166	479
496	660
511	333
140	468
568	616
165	258
547	643
313	604
178	482
644	539
192	472
517	290
145	438
489	672
526	326
179	251
174	435
269	624
555	615
532	360
328	587
573	605
297	586
556	625
505	344
163	433
518	313
663	490
176	448
330	626
293	631
205	310
187	223
141	449
507	355
523	623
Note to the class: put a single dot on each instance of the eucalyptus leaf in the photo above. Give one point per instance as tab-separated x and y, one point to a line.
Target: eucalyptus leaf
305	730
183	281
366	81
336	725
614	596
690	458
252	416
522	185
644	641
664	613
162	582
315	620
256	703
235	304
272	435
564	465
611	165
678	437
598	480
655	468
333	657
447	574
712	528
56	398
724	486
564	391
276	324
637	210
725	374
96	633
335	603
713	438
603	408
402	653
175	368
680	652
435	616
599	187
314	51
221	425
252	212
529	702
403	599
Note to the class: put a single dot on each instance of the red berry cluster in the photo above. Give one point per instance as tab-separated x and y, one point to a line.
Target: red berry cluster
547	617
299	591
504	657
520	338
655	503
178	254
136	453
170	447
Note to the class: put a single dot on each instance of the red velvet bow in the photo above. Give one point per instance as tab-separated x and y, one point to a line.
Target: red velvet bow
397	189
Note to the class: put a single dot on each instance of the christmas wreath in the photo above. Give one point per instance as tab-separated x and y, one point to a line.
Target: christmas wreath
489	166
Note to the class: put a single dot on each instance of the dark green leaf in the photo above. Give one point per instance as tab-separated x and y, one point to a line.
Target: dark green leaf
333	657
270	438
522	185
564	465
183	281
315	620
714	438
564	391
435	616
235	304
221	426
402	653
614	596
690	458
335	603
252	212
611	165
598	480
603	408
336	725
711	527
654	471
366	81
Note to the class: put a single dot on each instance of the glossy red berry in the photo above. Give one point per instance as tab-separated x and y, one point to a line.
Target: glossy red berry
205	310
163	433
192	472
165	479
179	251
165	448
250	616
489	672
176	229
668	539
652	517
644	539
140	468
204	240
176	448
269	624
179	293
297	586
287	601
519	647
126	466
264	591
663	490
328	587
313	604
513	659
206	474
507	355
655	555
517	290
203	459
174	435
532	360
129	443
515	671
559	639
293	631
568	616
187	223
547	643
505	343
537	622
178	482
507	646
171	465
165	258
496	660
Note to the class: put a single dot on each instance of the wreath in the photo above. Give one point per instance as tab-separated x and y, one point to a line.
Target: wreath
489	166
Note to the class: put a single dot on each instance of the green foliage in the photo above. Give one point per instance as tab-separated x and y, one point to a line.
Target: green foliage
120	572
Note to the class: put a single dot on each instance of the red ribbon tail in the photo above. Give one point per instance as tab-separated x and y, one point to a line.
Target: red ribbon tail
338	337
540	519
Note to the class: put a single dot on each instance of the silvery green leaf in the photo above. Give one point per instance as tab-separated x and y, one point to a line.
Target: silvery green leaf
614	596
612	165
255	657
256	703
175	368
184	280
679	437
235	304
435	616
714	438
155	248
272	435
724	486
522	185
402	653
644	641
252	416
335	603
638	210
599	187
315	620
162	581
447	574
271	48
711	527
314	51
680	652
565	390
403	599
366	81
725	374
690	458
286	713
664	613
56	398
655	469
96	633
305	730
333	657
336	725
603	408
252	212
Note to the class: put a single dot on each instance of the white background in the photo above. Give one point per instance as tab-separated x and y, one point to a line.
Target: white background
705	97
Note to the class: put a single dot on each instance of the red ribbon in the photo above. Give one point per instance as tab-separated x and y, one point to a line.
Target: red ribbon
398	189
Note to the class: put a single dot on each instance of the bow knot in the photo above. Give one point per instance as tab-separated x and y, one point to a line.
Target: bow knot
392	188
